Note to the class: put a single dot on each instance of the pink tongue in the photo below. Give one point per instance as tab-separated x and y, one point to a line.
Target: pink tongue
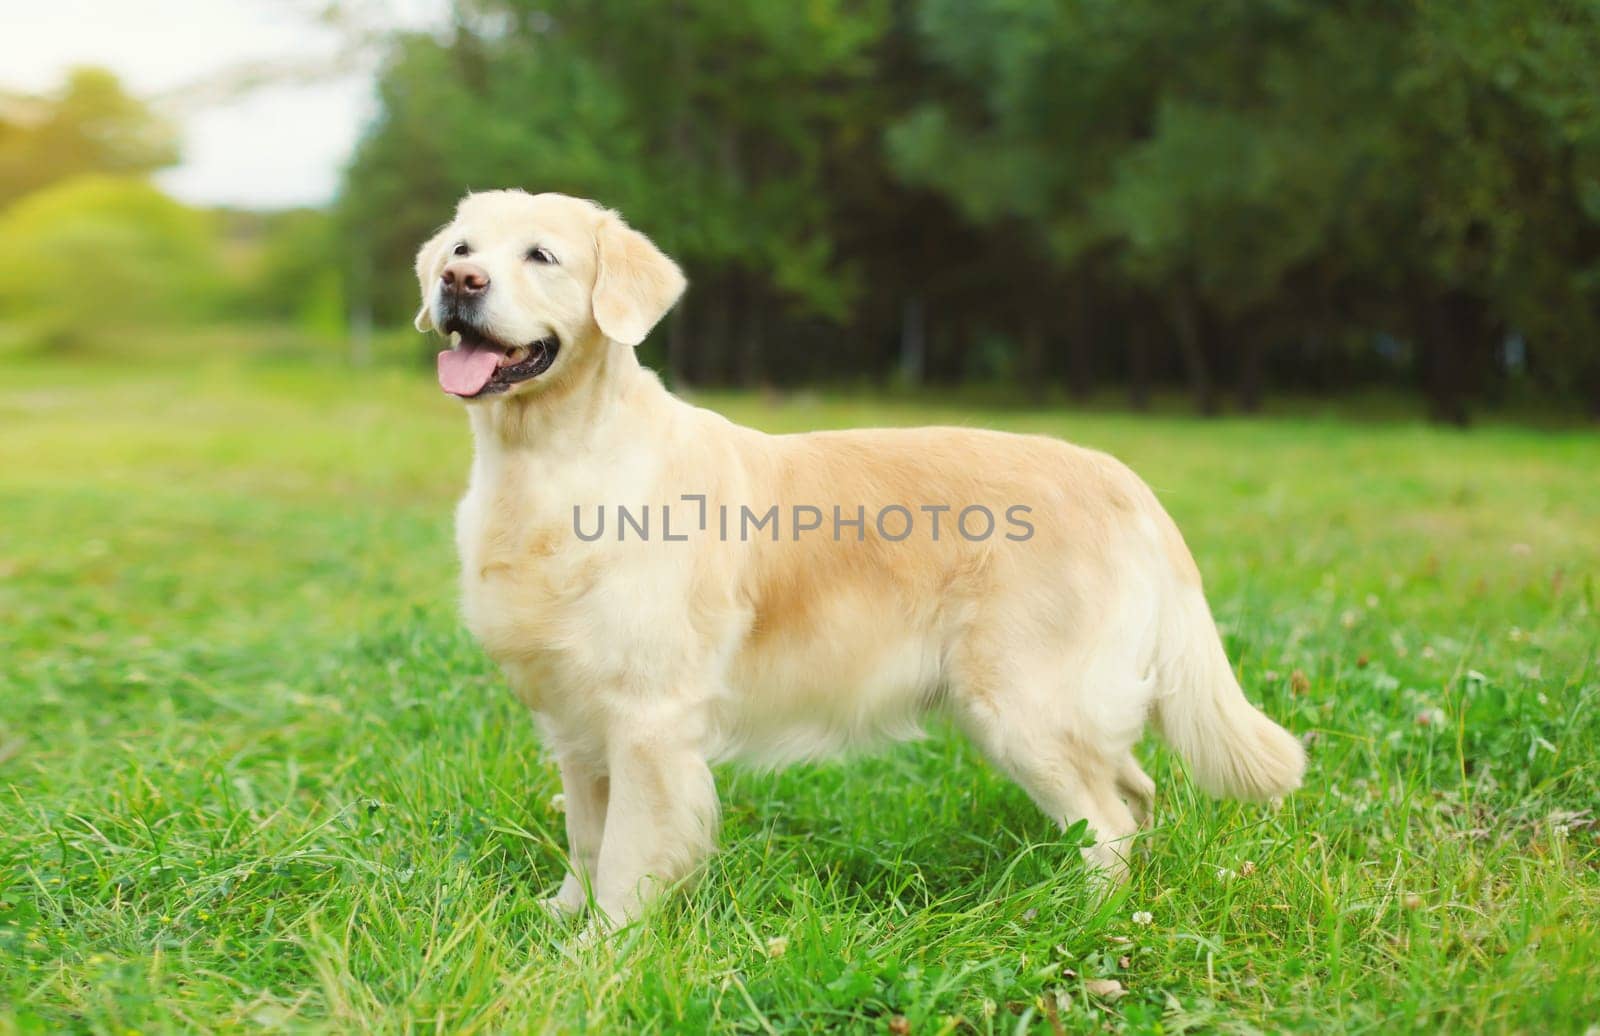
464	371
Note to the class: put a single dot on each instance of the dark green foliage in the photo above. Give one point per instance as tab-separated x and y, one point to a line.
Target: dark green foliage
1238	193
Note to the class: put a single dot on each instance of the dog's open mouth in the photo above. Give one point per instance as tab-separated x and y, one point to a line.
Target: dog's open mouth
481	366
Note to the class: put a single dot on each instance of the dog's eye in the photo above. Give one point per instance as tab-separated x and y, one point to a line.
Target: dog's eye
541	255
461	249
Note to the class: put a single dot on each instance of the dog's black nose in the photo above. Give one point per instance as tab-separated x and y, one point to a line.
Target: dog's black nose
465	279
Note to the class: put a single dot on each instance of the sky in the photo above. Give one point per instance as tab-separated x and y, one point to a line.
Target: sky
272	147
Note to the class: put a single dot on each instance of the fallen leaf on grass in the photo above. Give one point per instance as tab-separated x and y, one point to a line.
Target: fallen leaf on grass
1108	989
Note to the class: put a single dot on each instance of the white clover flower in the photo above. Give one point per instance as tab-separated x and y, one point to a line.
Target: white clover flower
1433	716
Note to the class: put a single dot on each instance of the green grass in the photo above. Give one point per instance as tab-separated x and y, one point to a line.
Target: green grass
254	775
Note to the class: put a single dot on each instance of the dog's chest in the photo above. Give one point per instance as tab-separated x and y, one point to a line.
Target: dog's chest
560	611
521	575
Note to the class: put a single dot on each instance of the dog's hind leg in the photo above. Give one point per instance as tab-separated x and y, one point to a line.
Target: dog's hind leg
1061	721
1067	777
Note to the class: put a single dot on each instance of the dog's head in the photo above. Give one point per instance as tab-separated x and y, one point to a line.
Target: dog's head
526	283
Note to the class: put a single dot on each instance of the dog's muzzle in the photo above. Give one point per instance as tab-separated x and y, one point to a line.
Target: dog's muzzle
480	365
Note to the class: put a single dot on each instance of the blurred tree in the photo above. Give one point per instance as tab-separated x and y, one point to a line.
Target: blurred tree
706	123
90	125
1502	127
1252	165
1162	142
96	255
1229	192
294	275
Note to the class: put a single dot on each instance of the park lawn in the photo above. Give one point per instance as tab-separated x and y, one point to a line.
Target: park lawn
254	775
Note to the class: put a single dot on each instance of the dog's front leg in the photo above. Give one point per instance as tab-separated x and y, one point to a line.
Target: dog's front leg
586	791
661	819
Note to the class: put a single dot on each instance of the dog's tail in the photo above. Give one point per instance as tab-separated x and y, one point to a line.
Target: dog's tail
1232	748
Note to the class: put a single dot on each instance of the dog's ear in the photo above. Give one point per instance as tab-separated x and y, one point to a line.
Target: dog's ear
635	283
428	257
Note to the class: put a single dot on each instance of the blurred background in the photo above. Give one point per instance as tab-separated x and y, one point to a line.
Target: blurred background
1217	206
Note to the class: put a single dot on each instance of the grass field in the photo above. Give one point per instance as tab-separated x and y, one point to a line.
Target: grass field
253	774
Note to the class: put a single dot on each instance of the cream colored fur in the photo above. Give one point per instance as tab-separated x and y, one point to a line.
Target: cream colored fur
647	660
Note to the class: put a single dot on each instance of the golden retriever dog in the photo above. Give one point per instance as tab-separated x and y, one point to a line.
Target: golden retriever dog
666	589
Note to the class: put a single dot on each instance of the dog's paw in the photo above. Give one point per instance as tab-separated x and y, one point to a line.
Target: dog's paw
592	934
569	900
1108	868
596	932
560	908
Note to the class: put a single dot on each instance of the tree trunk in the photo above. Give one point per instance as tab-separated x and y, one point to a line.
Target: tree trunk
1139	366
713	341
359	313
1249	389
1445	404
1080	344
1449	329
947	347
1588	376
752	342
1187	319
678	347
913	340
1032	366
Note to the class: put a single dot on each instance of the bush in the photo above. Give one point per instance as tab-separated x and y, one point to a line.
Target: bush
90	257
